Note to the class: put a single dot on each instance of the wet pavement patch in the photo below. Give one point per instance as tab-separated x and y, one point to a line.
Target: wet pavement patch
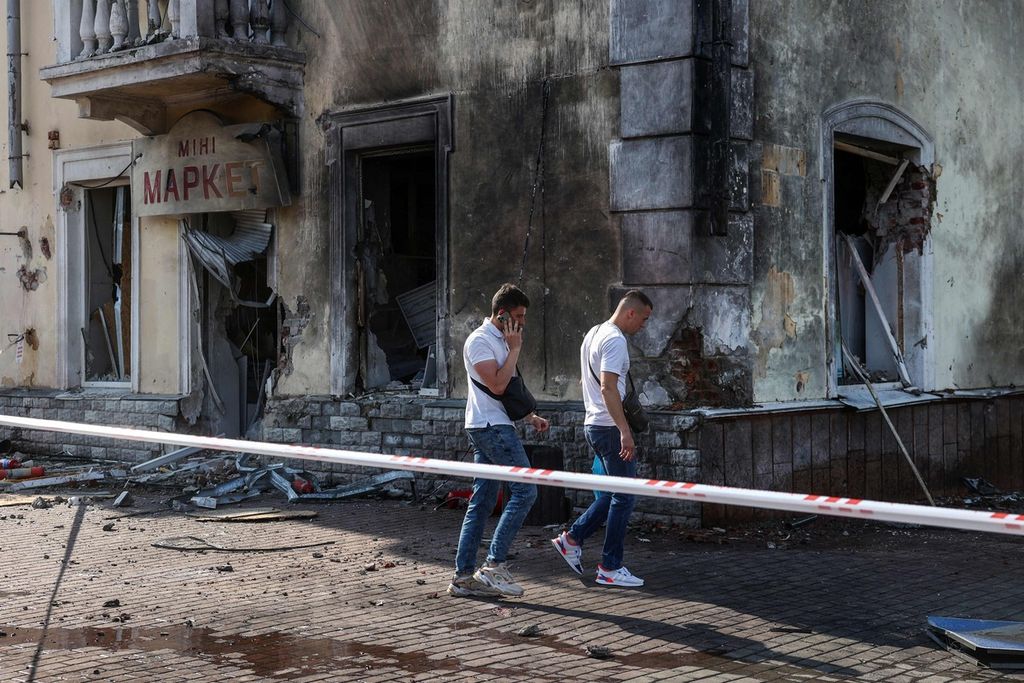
274	655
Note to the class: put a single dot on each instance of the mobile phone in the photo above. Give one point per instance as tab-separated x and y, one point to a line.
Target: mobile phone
504	318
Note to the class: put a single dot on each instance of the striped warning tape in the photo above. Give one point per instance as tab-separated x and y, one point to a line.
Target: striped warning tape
974	520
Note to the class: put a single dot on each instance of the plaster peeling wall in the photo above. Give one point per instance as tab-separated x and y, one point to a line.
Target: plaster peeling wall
35	206
937	62
494	58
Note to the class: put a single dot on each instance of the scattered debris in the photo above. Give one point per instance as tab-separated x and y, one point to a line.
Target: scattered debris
41	504
981	486
225	568
797	523
194	543
109	526
598	652
124	499
112	603
529	631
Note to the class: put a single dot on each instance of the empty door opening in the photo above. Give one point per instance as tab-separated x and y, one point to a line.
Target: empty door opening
396	262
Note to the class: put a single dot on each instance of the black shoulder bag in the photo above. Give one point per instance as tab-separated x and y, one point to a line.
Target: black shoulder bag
631	406
517	400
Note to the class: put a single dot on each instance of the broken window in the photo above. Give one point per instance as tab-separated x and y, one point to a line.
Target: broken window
107	321
238	335
396	268
882	212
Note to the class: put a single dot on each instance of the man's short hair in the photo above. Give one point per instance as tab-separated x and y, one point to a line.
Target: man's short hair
508	297
635	297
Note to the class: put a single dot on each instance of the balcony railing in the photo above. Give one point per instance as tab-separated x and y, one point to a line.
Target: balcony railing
106	26
132	59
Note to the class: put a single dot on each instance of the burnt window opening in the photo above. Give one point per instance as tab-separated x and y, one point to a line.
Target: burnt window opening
882	210
106	328
396	253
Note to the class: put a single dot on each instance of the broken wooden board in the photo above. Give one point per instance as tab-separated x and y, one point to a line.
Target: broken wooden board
11	501
253	515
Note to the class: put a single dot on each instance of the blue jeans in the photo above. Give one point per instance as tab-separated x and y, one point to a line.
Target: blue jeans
493	445
611	509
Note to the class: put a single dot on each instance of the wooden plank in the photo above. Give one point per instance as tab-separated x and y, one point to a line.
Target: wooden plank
782	440
866	153
263	515
936	430
11	501
820	473
801	443
838	458
892	183
712	469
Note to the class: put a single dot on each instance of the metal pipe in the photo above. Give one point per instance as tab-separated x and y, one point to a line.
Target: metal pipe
14	123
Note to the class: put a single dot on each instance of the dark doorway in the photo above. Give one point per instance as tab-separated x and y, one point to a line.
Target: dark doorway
396	254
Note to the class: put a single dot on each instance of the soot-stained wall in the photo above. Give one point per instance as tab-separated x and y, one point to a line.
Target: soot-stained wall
495	60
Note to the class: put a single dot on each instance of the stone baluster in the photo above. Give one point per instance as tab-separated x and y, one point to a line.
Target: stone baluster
132	12
87	29
153	20
102	26
174	17
240	19
259	19
118	24
278	23
220	17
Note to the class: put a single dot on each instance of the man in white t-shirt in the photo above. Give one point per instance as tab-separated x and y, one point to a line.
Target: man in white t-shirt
490	355
604	365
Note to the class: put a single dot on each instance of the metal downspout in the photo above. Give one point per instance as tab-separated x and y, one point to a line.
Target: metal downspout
14	122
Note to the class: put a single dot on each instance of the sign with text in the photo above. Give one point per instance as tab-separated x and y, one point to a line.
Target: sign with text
203	166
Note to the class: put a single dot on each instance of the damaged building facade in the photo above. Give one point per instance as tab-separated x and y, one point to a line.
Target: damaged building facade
281	221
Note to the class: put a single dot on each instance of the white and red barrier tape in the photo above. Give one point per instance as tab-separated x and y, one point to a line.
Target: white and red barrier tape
974	520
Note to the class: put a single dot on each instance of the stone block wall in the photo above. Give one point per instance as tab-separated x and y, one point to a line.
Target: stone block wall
138	411
431	428
694	352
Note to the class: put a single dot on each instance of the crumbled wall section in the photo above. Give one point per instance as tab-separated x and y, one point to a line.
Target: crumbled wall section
292	325
434	429
906	217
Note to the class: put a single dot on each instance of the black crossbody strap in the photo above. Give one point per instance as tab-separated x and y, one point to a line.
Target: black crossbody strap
487	391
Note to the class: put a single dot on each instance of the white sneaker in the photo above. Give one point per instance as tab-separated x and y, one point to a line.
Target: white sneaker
467	585
617	577
570	552
500	579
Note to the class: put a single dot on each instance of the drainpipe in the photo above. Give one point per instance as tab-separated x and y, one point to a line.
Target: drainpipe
721	111
14	123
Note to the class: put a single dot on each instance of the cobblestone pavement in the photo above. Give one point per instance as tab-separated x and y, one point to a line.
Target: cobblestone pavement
371	606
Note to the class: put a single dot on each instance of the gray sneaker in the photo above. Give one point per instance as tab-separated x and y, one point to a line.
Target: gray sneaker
469	585
498	577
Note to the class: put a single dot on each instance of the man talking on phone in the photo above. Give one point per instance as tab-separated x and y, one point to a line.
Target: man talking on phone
490	355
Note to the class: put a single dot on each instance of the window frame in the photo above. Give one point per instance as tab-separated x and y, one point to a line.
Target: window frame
880	121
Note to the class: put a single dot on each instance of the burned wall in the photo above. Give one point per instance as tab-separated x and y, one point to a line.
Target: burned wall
934	62
513	69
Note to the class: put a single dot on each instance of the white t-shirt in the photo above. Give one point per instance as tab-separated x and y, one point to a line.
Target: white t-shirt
484	343
604	349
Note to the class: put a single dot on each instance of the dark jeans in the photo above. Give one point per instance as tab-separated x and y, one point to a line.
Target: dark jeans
613	509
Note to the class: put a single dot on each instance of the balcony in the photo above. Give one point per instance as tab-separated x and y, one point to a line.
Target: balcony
132	60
